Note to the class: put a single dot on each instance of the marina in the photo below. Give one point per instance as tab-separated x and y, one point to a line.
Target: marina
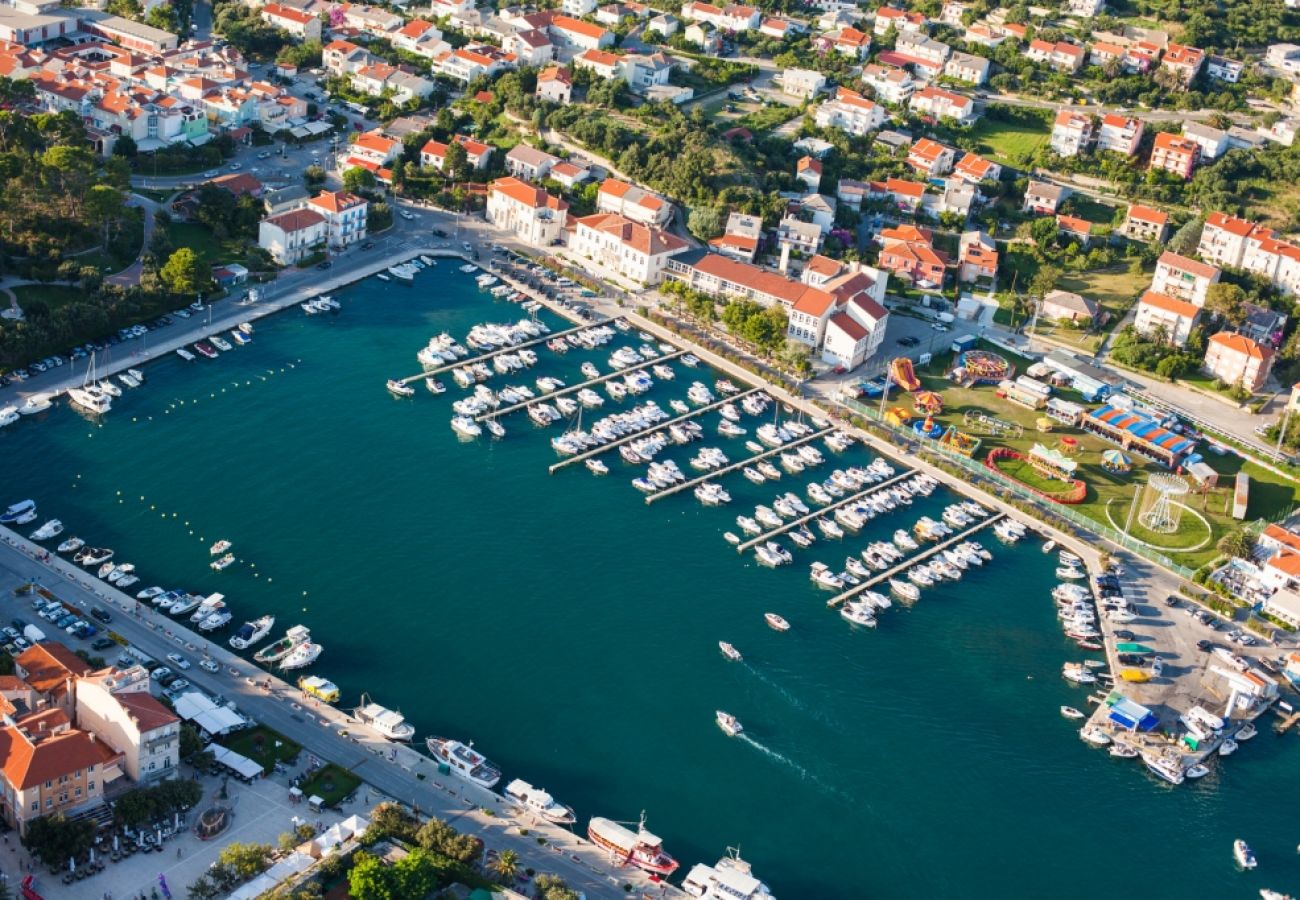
690	484
571	389
811	701
492	354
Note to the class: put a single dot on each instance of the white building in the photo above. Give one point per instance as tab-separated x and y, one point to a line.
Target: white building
1183	278
115	704
634	203
344	214
1159	314
850	112
802	83
293	235
627	250
533	215
1071	133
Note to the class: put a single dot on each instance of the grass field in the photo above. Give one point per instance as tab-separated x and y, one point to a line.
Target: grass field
331	783
1114	290
262	745
1009	142
202	241
52	295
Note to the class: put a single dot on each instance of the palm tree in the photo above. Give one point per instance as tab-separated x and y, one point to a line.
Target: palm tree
507	866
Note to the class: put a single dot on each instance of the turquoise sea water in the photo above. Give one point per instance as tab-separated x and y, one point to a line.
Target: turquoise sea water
571	631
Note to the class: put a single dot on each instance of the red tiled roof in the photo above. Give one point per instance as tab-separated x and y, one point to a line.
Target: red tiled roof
147	712
1147	214
1183	264
847	324
1169	304
49	665
296	220
1239	343
336	201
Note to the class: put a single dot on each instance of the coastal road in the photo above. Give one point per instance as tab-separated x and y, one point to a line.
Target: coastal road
325	732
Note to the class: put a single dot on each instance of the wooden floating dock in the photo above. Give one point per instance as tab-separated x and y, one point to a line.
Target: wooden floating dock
1287	722
731	467
614	445
823	511
600	379
514	348
906	564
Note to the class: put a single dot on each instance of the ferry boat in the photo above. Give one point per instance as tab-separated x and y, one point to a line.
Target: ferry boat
251	633
302	656
776	622
729	651
321	688
539	802
728	723
390	723
731	878
1242	853
298	634
639	848
464	761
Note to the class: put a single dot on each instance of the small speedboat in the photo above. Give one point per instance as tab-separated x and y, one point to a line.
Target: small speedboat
52	528
776	622
19	513
1228	747
435	386
1246	732
729	651
1242	853
223	563
398	389
1071	713
1197	771
71	545
729	723
596	467
219	547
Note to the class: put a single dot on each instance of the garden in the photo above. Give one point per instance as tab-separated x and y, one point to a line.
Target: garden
262	745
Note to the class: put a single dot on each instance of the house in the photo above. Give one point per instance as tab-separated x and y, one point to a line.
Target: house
740	237
1044	197
1224	239
902	21
1184	279
977	257
633	203
472	62
984	35
847	41
1221	68
775	27
942	104
909	251
419	37
906	195
304	26
115	705
607	66
920	51
1283	57
1074	227
477	154
930	158
891	84
295	196
569	175
344	57
1104	54
50	669
1212	141
345	216
555	85
575	34
809	172
1071	133
731	18
374	147
968	68
1119	134
292	235
1159	315
704	36
531	46
665	25
51	768
531	213
974	168
852	193
1184	62
1229	241
529	163
1084	9
1061	56
631	251
802	83
952	13
1235	359
1142	223
1140	57
798	236
853	336
578	8
850	112
1066	306
1172	153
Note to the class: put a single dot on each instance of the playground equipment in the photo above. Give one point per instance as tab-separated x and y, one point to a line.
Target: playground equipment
959	442
927	428
1051	463
1116	463
1074	491
981	422
1162	507
927	403
1068	445
901	371
981	365
898	417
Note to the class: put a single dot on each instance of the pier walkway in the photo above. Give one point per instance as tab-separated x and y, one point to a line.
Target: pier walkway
731	467
824	510
912	560
600	379
513	348
614	445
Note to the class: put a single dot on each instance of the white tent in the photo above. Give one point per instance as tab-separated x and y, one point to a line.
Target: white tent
236	762
198	708
287	868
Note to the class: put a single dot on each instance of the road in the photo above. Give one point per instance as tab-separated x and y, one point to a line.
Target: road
131	274
328	733
1146	115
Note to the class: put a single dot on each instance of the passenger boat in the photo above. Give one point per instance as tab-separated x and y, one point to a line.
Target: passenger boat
1242	853
464	761
639	848
321	688
728	723
251	633
729	651
52	528
387	722
301	656
776	622
731	878
298	634
220	547
539	803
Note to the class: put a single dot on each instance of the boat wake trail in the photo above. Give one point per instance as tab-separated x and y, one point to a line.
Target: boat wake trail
784	760
790	698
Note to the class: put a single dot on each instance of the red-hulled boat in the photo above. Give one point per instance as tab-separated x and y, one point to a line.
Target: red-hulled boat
639	848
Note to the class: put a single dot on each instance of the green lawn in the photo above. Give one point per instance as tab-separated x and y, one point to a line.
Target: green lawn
262	745
1010	142
1094	211
331	783
1115	290
52	295
202	241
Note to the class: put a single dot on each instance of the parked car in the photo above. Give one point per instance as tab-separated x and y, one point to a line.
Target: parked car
103	644
101	614
160	673
179	661
1205	646
209	665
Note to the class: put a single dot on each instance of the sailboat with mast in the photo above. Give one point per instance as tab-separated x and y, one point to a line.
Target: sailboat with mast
89	398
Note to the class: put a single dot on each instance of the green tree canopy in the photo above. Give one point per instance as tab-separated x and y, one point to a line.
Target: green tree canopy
184	272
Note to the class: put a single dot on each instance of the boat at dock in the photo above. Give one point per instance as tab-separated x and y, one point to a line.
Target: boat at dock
298	634
463	761
52	528
390	723
321	688
251	633
639	848
731	878
71	545
185	354
302	656
539	803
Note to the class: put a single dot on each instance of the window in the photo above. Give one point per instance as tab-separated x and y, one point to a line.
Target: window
36	806
91	786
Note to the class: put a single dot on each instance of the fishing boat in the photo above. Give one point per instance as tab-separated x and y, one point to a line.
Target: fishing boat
52	528
220	547
729	651
464	761
321	688
71	545
251	633
390	723
639	848
776	622
298	634
1071	713
301	656
539	803
1242	853
729	724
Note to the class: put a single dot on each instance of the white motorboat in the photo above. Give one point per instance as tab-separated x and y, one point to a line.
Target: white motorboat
1242	853
301	656
596	467
1200	770
728	723
8	415
219	619
19	513
435	386
464	761
1246	732
729	651
52	528
904	590
1228	747
298	634
389	723
495	428
398	389
150	592
822	576
37	403
1071	713
127	380
71	545
776	622
223	563
107	387
539	803
1163	767
253	632
465	426
90	401
858	614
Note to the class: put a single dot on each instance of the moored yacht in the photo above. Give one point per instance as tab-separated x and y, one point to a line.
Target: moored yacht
539	802
52	528
302	656
390	723
252	632
464	761
731	878
298	634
